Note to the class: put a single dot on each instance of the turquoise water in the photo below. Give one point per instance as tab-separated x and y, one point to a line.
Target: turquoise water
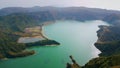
76	38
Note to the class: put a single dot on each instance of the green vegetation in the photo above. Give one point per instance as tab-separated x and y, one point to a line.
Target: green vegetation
108	43
104	62
42	43
9	26
109	48
9	48
100	62
16	22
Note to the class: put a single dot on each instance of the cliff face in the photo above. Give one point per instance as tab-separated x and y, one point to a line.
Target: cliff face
109	37
108	43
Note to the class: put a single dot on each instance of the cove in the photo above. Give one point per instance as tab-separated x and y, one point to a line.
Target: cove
76	38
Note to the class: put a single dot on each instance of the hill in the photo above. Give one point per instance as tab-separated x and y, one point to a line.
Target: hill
9	25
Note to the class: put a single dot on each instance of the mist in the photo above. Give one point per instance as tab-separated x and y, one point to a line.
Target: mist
105	4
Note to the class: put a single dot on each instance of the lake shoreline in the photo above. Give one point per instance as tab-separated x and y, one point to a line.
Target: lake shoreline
70	34
34	35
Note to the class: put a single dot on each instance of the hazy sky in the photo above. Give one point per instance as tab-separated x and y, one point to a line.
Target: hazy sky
107	4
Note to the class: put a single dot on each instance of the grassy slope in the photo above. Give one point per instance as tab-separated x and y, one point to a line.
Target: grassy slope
8	40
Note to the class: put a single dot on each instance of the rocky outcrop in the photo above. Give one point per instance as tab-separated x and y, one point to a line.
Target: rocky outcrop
109	37
104	62
74	65
108	43
100	62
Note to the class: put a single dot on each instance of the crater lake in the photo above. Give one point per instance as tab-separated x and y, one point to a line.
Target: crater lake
76	38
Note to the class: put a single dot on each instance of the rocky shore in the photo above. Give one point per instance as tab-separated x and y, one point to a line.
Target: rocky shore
74	63
108	43
108	40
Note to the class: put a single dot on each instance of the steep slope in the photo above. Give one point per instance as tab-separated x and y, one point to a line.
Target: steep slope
104	62
69	13
108	43
9	48
18	21
112	60
9	25
109	36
